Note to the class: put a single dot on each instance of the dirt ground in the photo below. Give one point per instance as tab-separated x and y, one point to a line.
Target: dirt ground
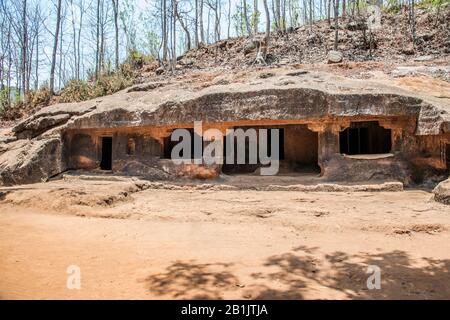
132	239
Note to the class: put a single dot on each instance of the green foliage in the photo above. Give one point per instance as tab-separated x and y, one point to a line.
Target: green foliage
256	16
151	43
433	4
137	59
239	20
392	7
4	101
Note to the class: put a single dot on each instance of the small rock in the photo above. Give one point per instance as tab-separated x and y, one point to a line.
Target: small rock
221	82
334	56
423	58
402	231
266	75
159	71
297	73
354	26
408	50
249	46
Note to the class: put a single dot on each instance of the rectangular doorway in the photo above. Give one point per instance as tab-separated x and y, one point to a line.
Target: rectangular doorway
106	163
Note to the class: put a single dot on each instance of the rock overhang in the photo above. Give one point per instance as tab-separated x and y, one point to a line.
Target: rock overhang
314	95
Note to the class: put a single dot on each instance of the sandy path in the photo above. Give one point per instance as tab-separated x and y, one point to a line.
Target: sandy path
224	244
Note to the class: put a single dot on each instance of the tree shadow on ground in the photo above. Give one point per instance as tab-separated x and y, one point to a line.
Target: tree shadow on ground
189	280
306	273
401	276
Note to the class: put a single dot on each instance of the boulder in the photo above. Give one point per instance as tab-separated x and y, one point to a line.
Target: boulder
334	56
159	71
442	192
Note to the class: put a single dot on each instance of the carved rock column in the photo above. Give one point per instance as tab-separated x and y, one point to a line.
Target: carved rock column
328	140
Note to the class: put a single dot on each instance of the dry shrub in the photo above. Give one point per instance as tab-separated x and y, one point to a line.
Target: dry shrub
39	98
34	101
127	70
12	113
79	90
110	84
76	91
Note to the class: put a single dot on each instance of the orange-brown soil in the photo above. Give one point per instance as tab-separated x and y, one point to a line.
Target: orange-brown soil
132	241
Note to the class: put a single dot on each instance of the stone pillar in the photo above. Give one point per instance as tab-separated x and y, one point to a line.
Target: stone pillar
328	140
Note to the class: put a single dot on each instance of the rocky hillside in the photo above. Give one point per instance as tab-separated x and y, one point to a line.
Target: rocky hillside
307	46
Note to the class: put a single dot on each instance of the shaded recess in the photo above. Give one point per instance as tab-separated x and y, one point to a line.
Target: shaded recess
297	150
106	163
365	137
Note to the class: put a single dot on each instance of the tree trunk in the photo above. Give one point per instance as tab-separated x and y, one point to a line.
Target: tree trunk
78	72
413	22
196	25
186	30
329	13
267	34
247	24
97	49
336	24
174	35
229	18
23	69
255	16
202	32
55	48
116	30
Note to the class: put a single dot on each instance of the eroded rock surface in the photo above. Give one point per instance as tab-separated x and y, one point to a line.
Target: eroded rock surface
442	192
286	95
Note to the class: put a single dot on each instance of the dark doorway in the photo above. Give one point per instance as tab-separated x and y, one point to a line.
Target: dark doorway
106	163
169	144
301	150
366	137
235	168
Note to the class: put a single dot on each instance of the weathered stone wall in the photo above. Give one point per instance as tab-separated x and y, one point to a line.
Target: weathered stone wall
323	102
412	159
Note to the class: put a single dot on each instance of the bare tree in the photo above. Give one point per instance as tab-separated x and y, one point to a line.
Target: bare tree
174	35
255	16
267	34
412	21
55	47
24	46
247	24
336	23
184	26
116	31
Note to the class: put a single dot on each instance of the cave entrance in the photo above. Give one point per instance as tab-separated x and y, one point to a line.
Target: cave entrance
169	144
298	151
301	153
365	137
106	162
